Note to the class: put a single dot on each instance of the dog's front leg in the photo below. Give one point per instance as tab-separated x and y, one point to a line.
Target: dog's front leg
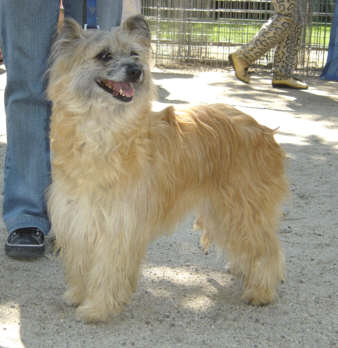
75	292
113	275
72	231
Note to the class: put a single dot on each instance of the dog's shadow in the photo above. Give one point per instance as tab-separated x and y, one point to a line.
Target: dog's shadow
162	97
191	292
162	93
181	281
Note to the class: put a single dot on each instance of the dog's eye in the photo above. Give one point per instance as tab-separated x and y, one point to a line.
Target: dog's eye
134	54
105	55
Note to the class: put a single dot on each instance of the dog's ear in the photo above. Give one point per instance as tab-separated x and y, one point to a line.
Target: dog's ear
68	39
137	25
71	30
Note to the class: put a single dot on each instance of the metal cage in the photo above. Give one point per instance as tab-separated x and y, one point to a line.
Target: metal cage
201	33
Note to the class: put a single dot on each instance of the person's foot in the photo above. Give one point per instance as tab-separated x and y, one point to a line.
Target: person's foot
240	66
25	243
291	82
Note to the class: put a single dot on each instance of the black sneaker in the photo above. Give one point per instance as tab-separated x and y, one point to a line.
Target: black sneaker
25	243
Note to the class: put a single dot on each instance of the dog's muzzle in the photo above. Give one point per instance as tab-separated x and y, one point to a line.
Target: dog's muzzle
123	90
133	72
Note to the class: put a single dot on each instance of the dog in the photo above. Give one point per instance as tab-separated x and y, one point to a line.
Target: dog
122	174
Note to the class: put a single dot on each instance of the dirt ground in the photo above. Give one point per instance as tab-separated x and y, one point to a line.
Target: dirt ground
185	298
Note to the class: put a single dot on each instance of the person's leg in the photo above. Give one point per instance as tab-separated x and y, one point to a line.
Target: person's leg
108	12
27	29
269	36
285	60
285	57
73	8
271	33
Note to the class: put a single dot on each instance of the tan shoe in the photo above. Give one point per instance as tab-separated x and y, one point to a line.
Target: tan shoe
289	83
240	66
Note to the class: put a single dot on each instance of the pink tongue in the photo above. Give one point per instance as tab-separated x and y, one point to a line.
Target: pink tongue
128	91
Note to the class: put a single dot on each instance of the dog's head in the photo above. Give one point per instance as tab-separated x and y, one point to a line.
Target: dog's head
99	67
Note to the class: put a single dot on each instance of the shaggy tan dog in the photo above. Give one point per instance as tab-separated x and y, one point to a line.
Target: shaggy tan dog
123	175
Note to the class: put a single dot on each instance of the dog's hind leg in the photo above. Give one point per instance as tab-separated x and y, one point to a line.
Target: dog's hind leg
205	240
247	234
113	276
260	261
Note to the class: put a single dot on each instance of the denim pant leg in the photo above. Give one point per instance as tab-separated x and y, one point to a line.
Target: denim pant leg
27	28
108	12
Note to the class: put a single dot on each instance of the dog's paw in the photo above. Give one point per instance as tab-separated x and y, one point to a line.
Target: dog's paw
258	297
232	269
205	242
91	314
72	297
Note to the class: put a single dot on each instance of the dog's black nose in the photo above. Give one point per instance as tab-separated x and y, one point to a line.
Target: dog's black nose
133	72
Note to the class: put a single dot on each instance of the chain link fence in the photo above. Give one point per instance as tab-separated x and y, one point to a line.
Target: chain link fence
202	33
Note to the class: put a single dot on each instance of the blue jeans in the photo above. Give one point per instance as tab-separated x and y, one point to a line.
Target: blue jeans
27	29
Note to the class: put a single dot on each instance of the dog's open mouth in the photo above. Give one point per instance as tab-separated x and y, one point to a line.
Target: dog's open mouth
120	90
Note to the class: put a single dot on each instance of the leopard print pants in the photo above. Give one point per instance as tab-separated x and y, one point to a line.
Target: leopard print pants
282	32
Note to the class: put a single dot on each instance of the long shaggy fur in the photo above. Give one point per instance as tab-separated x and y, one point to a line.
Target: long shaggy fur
123	175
